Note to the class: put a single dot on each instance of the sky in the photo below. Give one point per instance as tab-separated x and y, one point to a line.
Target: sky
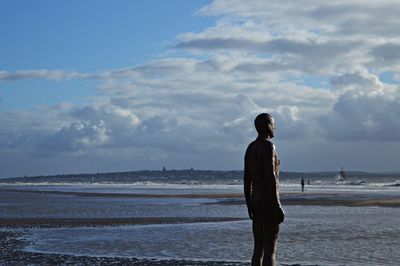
103	86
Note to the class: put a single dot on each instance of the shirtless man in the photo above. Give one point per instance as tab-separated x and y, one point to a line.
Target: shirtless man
261	191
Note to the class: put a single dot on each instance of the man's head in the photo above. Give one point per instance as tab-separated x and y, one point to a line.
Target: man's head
265	125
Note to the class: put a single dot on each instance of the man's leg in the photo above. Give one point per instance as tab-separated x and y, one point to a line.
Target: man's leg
258	242
270	235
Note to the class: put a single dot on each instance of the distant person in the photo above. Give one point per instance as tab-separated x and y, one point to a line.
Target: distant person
308	181
302	185
261	191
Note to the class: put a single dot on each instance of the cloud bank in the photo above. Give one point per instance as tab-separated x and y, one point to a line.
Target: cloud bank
201	99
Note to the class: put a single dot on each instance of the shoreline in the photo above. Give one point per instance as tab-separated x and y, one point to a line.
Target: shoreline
18	223
287	198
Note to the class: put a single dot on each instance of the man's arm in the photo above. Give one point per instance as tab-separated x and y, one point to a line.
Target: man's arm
272	175
247	186
276	171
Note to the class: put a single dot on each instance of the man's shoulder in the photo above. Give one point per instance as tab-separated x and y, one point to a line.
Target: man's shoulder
260	145
262	142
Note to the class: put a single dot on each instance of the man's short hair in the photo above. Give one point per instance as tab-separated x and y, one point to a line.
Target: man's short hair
263	122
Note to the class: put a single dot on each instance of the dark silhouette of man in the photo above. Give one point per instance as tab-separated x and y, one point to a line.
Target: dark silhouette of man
261	191
302	185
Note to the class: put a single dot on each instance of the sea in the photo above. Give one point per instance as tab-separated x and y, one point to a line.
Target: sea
321	234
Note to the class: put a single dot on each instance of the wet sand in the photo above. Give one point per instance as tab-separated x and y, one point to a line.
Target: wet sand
90	222
339	199
306	198
126	195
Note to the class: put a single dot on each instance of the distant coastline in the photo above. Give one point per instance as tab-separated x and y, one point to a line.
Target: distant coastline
143	175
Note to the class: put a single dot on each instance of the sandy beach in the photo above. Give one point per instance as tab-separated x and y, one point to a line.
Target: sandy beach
31	210
91	222
337	199
307	198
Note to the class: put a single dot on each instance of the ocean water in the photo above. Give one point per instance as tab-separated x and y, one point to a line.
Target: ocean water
323	235
197	184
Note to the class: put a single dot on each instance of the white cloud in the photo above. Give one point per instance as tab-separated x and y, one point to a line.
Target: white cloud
114	116
43	74
357	17
366	109
75	138
338	33
385	56
186	105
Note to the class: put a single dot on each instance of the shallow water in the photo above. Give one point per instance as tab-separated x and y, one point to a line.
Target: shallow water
323	235
28	205
309	235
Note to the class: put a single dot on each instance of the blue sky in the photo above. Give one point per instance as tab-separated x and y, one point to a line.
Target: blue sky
88	36
88	86
92	35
